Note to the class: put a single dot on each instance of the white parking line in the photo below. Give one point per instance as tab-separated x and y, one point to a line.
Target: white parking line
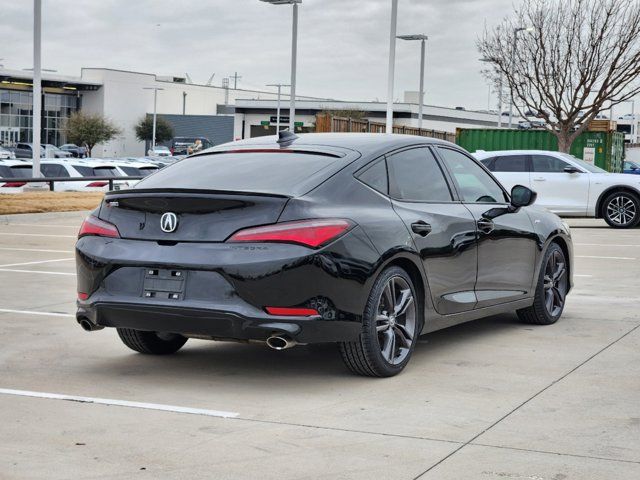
37	225
35	263
13	249
606	245
38	235
576	275
606	258
35	271
121	403
32	312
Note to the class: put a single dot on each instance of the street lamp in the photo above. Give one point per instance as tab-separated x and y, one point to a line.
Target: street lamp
516	31
294	57
155	103
488	60
422	38
279	85
37	86
392	64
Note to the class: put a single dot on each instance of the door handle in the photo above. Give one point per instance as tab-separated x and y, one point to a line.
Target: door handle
539	179
421	228
485	225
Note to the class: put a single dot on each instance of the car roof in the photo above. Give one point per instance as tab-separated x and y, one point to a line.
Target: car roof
365	143
499	153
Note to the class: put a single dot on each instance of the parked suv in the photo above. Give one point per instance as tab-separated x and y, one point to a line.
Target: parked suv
569	186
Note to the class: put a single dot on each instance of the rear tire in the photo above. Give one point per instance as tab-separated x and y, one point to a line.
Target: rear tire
153	343
390	327
621	210
551	290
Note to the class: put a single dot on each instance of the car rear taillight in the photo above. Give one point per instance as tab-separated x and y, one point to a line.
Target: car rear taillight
291	311
14	184
94	226
97	184
310	233
82	296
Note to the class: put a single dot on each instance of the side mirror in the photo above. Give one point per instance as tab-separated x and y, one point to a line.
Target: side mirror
571	169
522	196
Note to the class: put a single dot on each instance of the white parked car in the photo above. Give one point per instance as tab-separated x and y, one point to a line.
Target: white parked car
159	151
13	169
6	154
129	168
568	186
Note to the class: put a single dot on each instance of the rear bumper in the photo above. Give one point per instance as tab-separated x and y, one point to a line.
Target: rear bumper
222	290
216	324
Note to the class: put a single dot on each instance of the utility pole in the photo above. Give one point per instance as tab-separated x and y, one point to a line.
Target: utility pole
235	77
392	64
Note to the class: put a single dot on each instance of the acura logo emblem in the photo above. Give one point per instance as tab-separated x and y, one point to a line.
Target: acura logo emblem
168	222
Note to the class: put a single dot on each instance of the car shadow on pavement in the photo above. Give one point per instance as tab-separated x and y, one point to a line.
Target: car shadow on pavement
204	360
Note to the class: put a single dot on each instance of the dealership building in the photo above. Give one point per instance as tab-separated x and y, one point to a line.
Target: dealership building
218	113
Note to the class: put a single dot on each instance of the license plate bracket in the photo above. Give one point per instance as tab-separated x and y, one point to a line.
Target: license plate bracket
164	284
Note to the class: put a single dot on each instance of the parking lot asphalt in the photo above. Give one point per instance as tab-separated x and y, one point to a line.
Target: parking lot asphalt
491	399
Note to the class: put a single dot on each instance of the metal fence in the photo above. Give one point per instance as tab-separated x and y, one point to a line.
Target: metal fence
52	180
327	123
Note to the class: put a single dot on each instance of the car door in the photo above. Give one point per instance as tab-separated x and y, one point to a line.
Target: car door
443	230
507	244
559	191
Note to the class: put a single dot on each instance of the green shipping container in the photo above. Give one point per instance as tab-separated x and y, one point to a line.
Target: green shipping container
604	149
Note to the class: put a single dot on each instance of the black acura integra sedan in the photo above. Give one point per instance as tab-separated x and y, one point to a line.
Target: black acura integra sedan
365	240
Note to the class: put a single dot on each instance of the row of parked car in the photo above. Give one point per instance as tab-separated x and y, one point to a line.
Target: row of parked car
78	168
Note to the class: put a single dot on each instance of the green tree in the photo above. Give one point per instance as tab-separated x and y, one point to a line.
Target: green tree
144	129
90	129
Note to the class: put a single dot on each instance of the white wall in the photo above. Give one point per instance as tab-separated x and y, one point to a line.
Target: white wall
123	100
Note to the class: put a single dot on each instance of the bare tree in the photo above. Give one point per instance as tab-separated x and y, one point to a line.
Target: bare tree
566	59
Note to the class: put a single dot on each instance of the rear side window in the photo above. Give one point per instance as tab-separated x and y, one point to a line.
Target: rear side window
5	172
415	175
510	163
106	172
22	171
273	172
375	176
52	170
547	164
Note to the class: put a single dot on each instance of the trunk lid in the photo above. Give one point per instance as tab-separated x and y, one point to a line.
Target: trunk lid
200	216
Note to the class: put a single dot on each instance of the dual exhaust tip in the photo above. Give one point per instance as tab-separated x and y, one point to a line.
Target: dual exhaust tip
276	342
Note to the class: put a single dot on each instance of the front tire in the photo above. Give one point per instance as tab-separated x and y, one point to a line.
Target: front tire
154	343
621	210
551	290
390	327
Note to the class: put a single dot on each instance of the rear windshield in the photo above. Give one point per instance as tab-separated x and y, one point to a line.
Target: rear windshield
260	172
97	171
21	171
138	172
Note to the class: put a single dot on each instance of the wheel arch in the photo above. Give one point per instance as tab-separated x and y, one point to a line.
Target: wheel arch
567	249
609	191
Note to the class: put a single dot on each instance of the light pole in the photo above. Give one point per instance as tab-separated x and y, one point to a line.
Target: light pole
423	40
294	57
279	85
392	64
488	60
155	104
516	31
37	86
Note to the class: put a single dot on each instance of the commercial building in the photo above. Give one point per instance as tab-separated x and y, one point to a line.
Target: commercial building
126	97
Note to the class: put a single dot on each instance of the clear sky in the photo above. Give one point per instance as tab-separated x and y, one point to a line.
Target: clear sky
342	51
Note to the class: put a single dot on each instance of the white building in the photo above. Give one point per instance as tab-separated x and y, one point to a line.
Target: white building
126	97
